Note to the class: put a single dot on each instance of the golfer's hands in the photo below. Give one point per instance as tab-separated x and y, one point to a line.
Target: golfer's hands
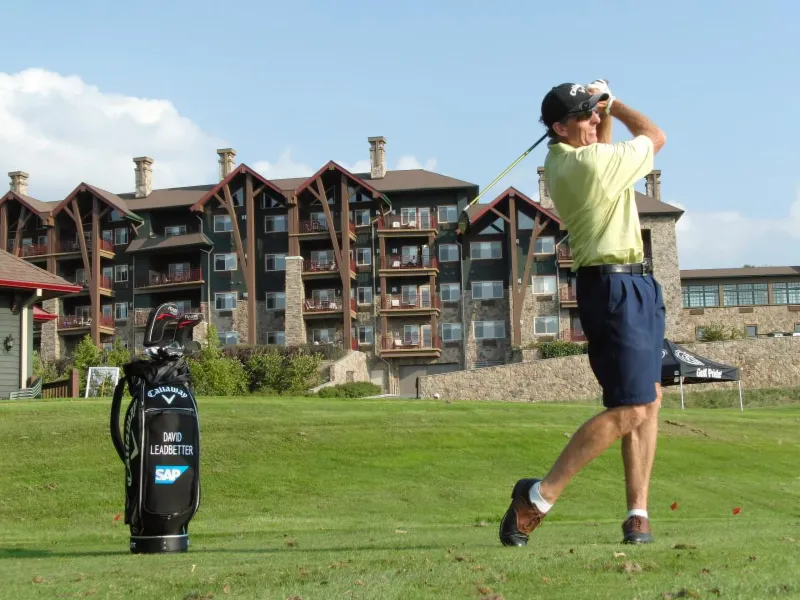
600	86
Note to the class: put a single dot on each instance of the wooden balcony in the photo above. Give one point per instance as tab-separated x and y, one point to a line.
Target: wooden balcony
564	256
67	248
398	305
323	269
155	281
79	324
320	309
573	335
105	284
569	299
32	251
422	346
408	225
318	230
397	265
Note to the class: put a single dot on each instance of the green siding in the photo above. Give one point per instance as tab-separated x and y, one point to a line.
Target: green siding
9	360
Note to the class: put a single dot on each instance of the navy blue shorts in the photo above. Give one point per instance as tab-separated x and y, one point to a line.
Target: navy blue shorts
622	315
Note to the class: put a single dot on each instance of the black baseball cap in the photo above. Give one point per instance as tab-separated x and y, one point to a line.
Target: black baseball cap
566	99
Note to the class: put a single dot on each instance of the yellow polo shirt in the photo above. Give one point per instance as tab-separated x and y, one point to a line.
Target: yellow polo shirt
592	191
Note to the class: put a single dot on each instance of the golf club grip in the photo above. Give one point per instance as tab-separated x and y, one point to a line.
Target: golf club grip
116	403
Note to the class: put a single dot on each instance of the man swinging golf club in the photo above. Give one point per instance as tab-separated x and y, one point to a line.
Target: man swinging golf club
620	304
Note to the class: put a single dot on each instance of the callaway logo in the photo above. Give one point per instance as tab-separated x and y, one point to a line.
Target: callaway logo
164	391
576	88
688	358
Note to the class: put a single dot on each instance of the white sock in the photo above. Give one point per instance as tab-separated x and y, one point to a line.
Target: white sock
637	512
536	499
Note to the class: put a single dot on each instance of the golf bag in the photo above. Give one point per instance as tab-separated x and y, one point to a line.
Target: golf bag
160	445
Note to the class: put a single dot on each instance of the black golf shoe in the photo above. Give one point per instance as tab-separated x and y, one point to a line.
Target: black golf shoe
636	530
522	517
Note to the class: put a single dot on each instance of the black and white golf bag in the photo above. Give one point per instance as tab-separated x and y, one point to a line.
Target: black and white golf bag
160	443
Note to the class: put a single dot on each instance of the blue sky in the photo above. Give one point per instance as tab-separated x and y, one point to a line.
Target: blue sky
452	85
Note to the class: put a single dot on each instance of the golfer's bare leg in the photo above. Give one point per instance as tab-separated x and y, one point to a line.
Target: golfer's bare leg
592	439
638	452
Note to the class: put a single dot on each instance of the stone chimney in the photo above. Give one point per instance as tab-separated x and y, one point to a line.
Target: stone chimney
652	184
144	176
227	162
19	182
544	193
377	157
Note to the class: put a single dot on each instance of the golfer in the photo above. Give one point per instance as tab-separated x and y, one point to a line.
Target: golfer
621	306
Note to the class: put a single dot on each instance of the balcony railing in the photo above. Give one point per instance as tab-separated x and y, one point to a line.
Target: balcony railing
573	335
66	246
75	321
321	266
409	262
104	280
568	295
154	278
423	342
418	302
310	305
408	222
33	250
307	227
564	253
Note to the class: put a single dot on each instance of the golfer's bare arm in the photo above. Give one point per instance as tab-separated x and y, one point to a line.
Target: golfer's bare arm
638	124
604	129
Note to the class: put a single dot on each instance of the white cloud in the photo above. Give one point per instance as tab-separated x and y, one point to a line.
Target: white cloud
408	162
731	239
285	167
62	130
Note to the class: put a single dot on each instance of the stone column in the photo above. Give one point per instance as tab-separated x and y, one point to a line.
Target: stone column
240	318
666	269
51	348
295	325
544	193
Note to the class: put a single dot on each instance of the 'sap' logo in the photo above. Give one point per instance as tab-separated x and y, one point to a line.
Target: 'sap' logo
169	474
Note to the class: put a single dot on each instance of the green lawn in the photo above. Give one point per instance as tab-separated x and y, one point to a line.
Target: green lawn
318	498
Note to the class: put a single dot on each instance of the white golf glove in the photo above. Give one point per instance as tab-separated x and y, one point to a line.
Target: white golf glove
600	86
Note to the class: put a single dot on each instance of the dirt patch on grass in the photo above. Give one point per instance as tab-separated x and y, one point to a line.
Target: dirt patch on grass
675	426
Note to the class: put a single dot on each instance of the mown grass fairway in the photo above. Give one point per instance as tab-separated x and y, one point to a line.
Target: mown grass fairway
312	499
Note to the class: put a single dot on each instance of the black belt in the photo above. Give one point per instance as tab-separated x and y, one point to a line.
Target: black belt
633	269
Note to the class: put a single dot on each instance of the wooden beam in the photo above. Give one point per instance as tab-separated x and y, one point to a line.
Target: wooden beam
21	222
4	226
258	190
69	212
345	220
499	214
516	310
228	204
538	227
220	200
94	289
332	231
294	227
52	243
250	280
104	212
76	216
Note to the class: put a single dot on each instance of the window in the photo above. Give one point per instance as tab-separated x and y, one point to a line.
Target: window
451	332
121	311
322	256
697	296
797	327
487	290
275	223
451	292
120	236
745	294
106	234
108	276
228	338
485	250
365	295
276	300
121	273
408	216
361	216
751	330
700	333
448	253
786	292
448	214
225	262
490	330
545	325
276	338
222	223
274	262
544	284
363	256
238	197
319	219
365	334
225	300
323	336
268	201
545	245
183	306
114	215
171	230
181	269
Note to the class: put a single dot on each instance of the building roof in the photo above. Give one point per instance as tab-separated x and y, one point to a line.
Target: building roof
476	211
239	170
37	206
648	205
146	244
332	166
112	200
393	181
17	273
740	272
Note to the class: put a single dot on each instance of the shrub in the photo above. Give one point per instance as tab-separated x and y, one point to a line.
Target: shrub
560	348
357	389
86	355
48	371
213	374
272	371
719	333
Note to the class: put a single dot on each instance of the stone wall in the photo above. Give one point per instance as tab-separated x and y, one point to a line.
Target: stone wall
486	310
294	323
50	342
239	324
764	363
538	305
768	319
666	268
353	367
268	321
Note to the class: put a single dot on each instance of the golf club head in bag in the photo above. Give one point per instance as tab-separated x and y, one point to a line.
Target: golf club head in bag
160	441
